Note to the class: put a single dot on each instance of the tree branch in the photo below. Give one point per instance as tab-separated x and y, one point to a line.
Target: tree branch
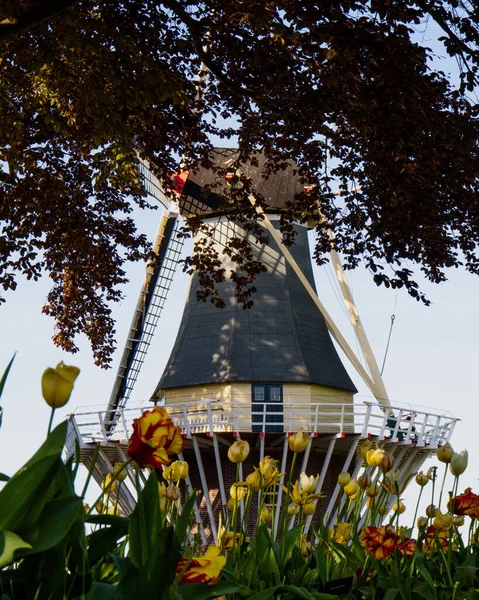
41	11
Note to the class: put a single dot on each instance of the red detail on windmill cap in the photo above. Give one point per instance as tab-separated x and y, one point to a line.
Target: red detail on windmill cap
290	433
208	434
315	434
261	434
343	435
178	181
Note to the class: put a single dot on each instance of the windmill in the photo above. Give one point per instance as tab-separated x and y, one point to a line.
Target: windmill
260	374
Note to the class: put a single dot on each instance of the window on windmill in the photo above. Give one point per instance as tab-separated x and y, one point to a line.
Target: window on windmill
267	408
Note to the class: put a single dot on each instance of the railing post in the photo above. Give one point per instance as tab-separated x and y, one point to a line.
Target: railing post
125	427
210	417
423	428
341	425
383	426
411	425
103	430
315	430
187	422
367	416
436	429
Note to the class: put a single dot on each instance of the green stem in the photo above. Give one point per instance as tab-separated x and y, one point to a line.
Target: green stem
442	486
417	508
90	470
51	421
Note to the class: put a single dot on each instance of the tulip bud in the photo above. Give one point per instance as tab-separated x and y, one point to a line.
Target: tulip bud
386	463
57	384
309	508
422	522
364	481
161	489
306	547
383	509
431	511
99	507
119	473
238	492
444	453
238	451
364	448
173	493
399	507
422	479
164	504
372	490
109	484
344	479
293	509
442	522
86	507
458	521
231	504
351	489
459	463
298	442
266	514
254	480
177	471
112	510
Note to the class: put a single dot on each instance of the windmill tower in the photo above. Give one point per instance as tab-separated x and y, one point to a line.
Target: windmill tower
258	374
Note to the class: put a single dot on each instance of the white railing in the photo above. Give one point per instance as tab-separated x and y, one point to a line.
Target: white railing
369	419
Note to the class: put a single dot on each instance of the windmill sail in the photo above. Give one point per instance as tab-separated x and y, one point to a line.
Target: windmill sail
168	246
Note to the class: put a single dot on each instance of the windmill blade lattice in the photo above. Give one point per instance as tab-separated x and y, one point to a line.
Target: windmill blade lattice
158	280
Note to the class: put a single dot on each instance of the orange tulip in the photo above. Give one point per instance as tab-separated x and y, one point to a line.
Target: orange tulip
466	504
379	541
204	569
154	439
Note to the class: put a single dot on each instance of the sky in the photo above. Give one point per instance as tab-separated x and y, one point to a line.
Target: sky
432	359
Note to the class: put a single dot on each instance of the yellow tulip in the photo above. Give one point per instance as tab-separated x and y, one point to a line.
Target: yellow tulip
238	492
375	456
293	509
351	489
372	490
444	453
458	521
442	522
161	489
268	468
431	511
341	533
422	479
306	547
298	442
266	514
255	481
399	507
231	504
57	384
109	484
422	522
119	473
458	463
309	508
99	507
344	479
364	481
177	471
365	448
308	484
238	451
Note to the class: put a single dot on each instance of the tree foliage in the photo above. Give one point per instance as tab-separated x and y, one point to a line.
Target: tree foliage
349	90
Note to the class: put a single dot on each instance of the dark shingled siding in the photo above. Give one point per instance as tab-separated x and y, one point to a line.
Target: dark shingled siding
282	339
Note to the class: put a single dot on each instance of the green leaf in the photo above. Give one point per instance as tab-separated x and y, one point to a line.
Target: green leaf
3	380
53	445
9	543
202	591
296	592
4	477
391	593
181	524
288	541
54	523
104	540
101	591
425	591
26	493
423	571
114	520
